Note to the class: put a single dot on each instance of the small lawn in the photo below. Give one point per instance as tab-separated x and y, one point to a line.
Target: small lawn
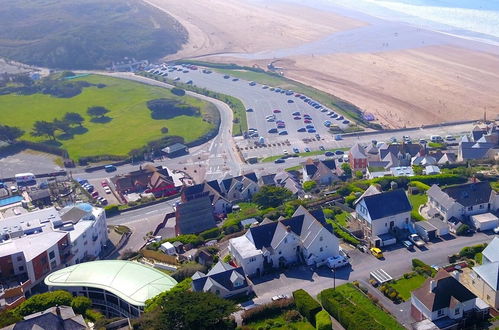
279	323
301	154
294	168
416	201
405	285
248	210
353	294
342	218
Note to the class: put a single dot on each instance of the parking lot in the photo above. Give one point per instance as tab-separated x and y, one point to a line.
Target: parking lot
301	116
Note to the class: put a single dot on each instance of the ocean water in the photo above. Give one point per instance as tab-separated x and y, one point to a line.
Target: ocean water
474	19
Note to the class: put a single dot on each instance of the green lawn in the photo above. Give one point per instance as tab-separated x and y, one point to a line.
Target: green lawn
416	201
301	154
293	168
248	210
342	218
279	323
405	286
353	294
131	126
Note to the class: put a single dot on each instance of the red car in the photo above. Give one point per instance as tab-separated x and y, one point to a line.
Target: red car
277	111
307	121
297	95
104	183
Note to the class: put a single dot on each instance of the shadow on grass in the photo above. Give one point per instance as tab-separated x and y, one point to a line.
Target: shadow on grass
53	143
78	130
101	120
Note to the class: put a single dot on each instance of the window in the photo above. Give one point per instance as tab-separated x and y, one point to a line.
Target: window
51	255
470	208
481	206
488	297
456	311
19	258
252	259
321	239
280	252
21	268
440	312
321	249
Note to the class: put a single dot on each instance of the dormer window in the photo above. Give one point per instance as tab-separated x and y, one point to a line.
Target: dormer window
456	311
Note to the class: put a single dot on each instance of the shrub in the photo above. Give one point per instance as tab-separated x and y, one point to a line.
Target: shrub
420	185
292	316
306	305
417	263
344	235
210	233
43	301
178	91
186	239
111	210
309	185
471	251
478	258
462	230
323	321
80	304
94	315
187	270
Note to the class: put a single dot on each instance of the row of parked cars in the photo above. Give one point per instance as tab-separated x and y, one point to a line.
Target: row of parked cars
95	194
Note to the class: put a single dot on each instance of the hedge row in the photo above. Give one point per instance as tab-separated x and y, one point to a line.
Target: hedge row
350	316
420	185
345	236
323	321
306	305
440	179
423	268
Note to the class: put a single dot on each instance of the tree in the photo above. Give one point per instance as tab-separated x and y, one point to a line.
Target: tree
359	174
97	111
73	118
185	310
10	133
309	185
62	125
42	128
41	302
80	304
269	196
346	169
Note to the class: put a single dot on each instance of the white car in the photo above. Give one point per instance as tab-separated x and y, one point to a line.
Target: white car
414	238
496	230
279	297
107	190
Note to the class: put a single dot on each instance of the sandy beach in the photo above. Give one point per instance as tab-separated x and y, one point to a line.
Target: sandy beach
405	75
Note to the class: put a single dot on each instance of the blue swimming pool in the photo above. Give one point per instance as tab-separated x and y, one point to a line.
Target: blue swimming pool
10	200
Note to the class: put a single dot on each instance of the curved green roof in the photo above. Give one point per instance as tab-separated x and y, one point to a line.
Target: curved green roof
131	281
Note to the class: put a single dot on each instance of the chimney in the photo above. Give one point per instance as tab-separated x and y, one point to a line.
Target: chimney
58	311
433	285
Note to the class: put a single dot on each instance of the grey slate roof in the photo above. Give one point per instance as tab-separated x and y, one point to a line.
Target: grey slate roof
387	204
49	320
358	152
491	252
489	273
195	216
221	273
470	193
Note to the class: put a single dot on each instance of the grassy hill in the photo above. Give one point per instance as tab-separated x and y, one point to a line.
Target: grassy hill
85	34
130	127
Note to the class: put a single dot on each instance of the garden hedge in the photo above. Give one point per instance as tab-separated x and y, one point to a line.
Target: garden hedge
306	305
323	321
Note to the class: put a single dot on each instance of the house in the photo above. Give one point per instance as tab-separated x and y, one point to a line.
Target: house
283	179
204	258
223	280
212	189
40	198
168	248
380	214
481	143
58	317
399	154
357	157
444	303
431	170
149	179
431	229
324	172
304	238
462	201
483	280
194	216
175	150
240	188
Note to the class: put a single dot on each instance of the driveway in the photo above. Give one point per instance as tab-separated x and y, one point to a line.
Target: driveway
397	262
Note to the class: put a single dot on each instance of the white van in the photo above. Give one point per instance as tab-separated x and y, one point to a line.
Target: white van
337	262
25	178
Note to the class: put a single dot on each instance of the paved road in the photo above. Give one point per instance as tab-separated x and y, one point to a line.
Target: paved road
396	263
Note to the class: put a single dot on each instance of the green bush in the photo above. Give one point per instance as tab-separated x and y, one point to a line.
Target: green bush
420	185
309	185
94	315
478	258
306	305
471	251
344	235
177	91
80	304
111	210
185	239
210	233
323	321
462	229
41	302
422	268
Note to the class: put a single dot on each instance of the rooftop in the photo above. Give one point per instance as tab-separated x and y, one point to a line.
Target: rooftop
387	204
131	281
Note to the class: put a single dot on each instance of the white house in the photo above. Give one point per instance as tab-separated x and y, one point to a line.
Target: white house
324	172
381	212
464	200
240	188
223	280
445	302
305	237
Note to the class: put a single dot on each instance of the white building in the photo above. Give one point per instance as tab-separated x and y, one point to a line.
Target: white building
381	212
305	237
36	243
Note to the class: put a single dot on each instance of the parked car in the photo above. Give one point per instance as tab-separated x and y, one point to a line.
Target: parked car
408	245
296	113
307	149
302	129
107	190
322	148
414	238
252	83
279	161
104	183
279	297
338	137
277	111
226	76
291	101
110	168
339	152
272	130
296	150
329	154
337	262
376	252
283	133
450	138
249	110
